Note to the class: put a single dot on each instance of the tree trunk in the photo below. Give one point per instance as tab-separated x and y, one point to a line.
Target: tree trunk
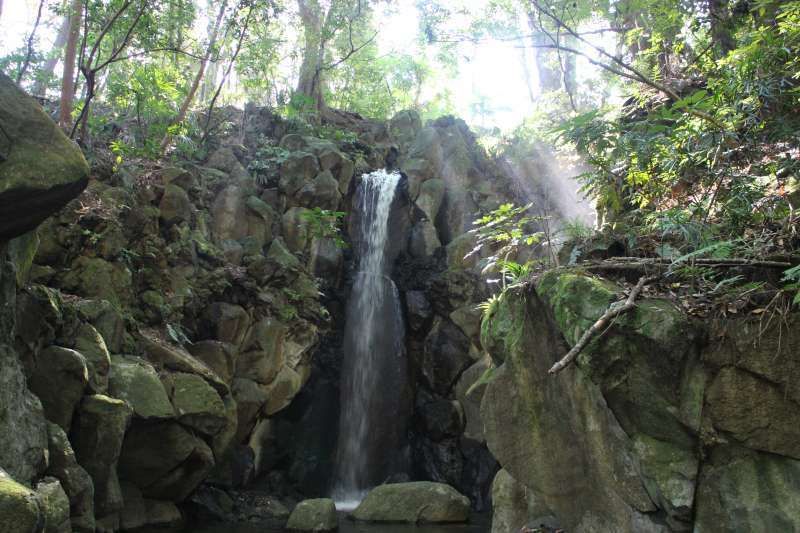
310	83
68	79
198	77
40	88
721	30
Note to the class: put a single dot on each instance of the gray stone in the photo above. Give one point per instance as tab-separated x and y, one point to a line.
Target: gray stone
76	482
136	381
59	380
218	356
92	347
196	403
314	515
54	505
423	240
298	169
175	206
419	501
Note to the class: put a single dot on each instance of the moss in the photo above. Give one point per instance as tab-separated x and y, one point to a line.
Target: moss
577	300
22	251
18	509
28	165
502	326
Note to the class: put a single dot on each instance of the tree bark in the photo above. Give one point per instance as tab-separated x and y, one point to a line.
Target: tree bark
40	88
721	30
29	53
311	83
68	79
181	116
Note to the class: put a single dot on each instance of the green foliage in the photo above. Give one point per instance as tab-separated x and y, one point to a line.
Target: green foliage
267	161
791	278
325	224
177	334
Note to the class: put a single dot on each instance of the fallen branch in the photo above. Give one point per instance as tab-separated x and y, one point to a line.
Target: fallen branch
732	261
616	309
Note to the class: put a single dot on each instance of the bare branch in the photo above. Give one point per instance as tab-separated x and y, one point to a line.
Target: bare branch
29	53
613	311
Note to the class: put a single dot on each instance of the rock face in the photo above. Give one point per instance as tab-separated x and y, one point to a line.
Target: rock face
314	515
414	502
40	169
612	443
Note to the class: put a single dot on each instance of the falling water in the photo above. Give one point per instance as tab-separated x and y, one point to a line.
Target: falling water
374	367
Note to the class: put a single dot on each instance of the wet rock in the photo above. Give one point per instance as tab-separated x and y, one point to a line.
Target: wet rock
418	310
471	403
282	390
59	380
250	399
423	241
314	515
430	198
446	355
419	501
326	259
442	418
459	252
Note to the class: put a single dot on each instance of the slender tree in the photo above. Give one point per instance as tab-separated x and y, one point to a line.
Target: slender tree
68	78
46	74
212	42
29	51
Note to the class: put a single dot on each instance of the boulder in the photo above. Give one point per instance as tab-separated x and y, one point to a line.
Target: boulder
76	482
54	504
295	229
741	490
94	277
136	381
159	350
19	508
297	170
414	502
218	356
59	380
228	213
322	192
423	240
97	436
441	419
41	168
514	506
175	206
471	403
196	403
326	259
418	310
92	347
164	460
282	390
431	194
446	354
226	322
106	320
314	515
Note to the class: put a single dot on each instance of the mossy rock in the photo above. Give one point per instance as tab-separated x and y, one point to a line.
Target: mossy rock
419	501
40	168
313	515
19	511
136	381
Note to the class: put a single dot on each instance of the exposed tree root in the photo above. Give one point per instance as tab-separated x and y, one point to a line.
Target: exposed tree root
616	309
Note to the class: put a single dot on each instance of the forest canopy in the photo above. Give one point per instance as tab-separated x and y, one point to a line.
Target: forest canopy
683	115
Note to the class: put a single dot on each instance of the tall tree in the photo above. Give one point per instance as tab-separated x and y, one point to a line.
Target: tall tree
68	78
310	82
46	73
187	102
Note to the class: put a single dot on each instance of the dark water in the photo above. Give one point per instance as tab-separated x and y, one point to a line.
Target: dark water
478	524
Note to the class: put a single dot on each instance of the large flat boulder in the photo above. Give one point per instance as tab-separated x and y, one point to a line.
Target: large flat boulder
40	168
418	501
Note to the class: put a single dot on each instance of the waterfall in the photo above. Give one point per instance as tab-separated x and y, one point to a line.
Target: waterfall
374	369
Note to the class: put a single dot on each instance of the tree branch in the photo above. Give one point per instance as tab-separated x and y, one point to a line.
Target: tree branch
616	309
